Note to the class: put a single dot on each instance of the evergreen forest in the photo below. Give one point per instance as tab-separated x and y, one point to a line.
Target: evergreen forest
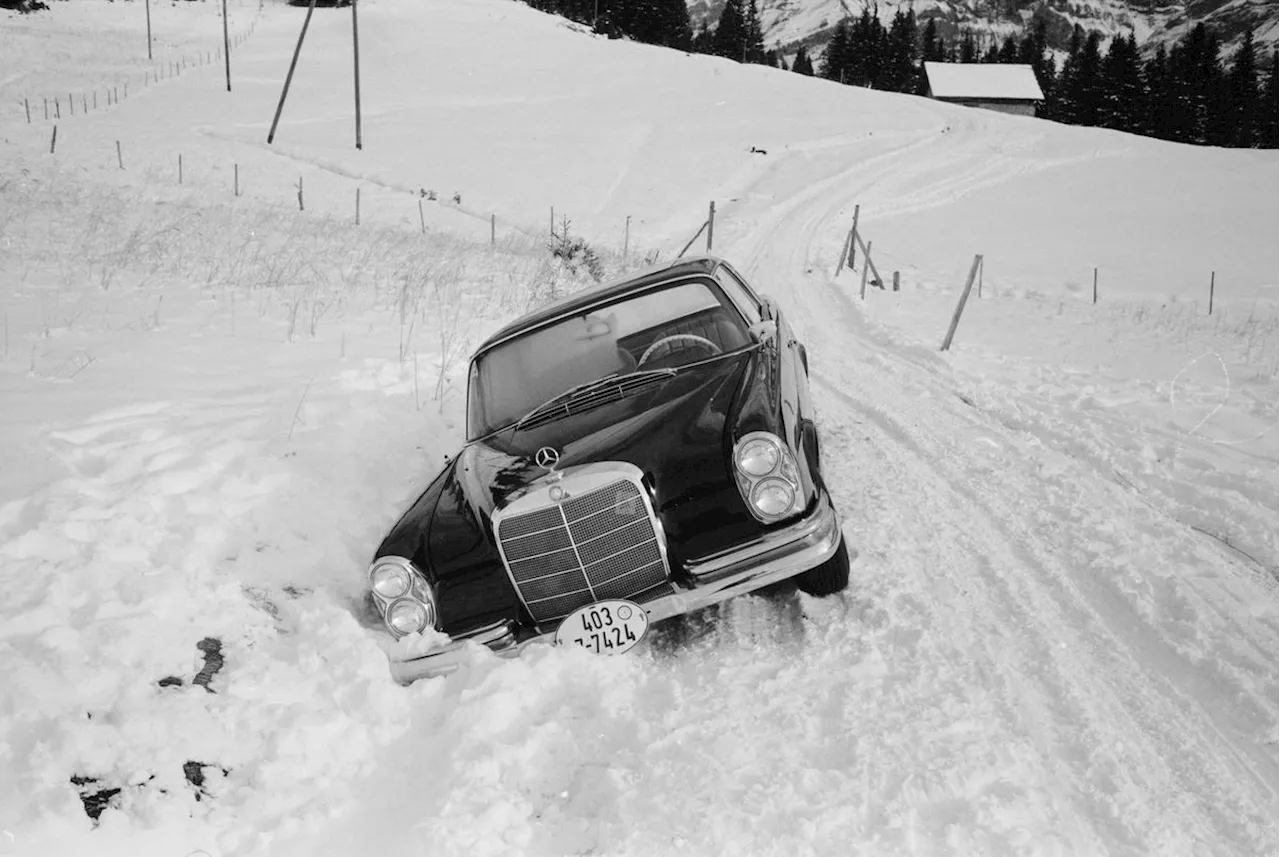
1190	93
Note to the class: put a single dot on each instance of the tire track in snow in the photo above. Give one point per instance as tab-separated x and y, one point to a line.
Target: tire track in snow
1140	749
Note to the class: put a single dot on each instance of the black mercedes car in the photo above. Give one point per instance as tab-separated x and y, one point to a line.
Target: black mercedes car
634	452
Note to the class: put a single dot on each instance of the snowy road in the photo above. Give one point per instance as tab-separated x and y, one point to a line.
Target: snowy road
1053	669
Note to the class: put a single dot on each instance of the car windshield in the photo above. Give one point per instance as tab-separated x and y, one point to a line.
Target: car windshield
662	329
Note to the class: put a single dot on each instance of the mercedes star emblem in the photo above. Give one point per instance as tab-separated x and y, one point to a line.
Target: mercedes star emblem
547	457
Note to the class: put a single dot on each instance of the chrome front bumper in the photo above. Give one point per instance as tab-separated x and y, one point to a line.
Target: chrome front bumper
776	556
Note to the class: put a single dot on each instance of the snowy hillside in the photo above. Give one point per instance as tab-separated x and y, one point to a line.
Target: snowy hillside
1061	633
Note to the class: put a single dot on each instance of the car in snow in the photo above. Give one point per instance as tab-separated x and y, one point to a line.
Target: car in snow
636	451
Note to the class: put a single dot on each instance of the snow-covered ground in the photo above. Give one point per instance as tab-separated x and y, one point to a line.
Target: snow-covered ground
1061	635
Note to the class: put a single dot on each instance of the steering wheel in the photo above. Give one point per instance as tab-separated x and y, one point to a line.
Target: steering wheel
670	341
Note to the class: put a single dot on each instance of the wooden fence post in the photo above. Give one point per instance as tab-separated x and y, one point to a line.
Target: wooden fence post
982	267
1095	286
422	218
1212	276
964	296
54	140
28	109
844	252
895	281
626	239
119	155
311	7
236	179
179	168
357	206
711	224
300	206
866	251
493	229
225	39
853	237
862	292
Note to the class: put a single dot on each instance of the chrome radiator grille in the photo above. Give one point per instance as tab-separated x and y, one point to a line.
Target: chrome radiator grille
597	545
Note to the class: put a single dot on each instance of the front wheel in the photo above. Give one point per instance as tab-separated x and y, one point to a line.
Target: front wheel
830	577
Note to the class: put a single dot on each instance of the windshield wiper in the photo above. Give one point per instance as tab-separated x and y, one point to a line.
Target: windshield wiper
562	403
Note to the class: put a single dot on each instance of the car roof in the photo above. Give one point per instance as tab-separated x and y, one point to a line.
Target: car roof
603	293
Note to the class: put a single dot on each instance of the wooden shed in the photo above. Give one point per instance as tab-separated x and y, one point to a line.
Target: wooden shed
995	86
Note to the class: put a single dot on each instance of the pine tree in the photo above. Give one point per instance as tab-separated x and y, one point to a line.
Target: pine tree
968	48
932	47
753	36
1243	107
1269	121
1008	51
1121	86
729	39
802	64
1156	108
835	62
898	69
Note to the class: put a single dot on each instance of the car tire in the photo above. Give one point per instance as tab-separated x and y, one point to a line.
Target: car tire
829	578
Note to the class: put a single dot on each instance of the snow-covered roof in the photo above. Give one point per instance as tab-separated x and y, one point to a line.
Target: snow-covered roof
982	80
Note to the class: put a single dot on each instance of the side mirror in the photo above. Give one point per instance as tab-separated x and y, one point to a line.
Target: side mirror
765	332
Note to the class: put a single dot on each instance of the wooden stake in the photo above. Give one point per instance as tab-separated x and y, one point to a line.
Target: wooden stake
57	109
866	251
493	229
895	281
626	239
711	224
179	168
225	39
71	104
236	180
53	141
300	206
1212	276
46	109
982	267
311	7
964	296
422	218
844	252
148	29
357	206
862	291
119	155
95	99
28	109
1095	285
553	221
853	244
355	44
84	103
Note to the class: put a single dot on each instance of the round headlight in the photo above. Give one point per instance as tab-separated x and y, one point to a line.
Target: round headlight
758	457
390	580
773	497
407	616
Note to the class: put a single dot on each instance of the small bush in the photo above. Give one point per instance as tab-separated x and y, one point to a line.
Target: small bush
575	253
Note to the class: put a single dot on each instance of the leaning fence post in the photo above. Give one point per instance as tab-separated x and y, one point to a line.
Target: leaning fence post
862	292
853	238
119	155
28	109
964	296
53	141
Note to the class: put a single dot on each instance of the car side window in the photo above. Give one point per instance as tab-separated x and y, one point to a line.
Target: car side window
740	293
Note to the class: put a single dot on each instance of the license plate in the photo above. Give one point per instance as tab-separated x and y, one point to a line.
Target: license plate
606	627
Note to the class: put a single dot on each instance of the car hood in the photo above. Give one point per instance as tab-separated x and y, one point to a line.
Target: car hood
674	432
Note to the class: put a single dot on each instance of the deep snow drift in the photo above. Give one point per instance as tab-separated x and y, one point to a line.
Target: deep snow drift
1061	636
